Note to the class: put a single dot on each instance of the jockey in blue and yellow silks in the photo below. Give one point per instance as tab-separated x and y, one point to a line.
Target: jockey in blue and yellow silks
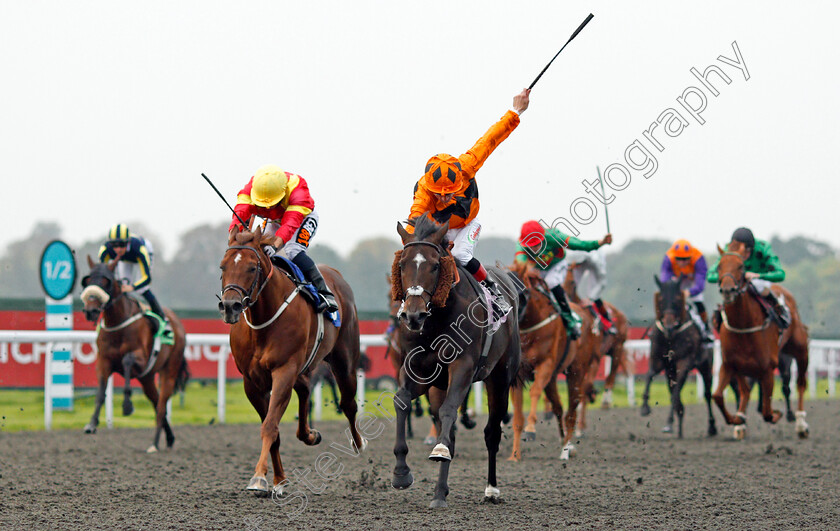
134	269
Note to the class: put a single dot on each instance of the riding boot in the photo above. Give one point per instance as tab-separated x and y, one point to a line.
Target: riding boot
708	336
498	299
310	270
782	317
474	267
572	325
154	304
609	327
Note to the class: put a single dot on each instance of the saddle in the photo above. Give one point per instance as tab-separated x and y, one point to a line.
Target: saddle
308	290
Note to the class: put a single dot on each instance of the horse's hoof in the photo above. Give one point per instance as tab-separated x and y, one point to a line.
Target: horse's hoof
151	449
667	429
645	411
277	491
90	428
712	431
739	432
317	438
529	436
492	495
440	453
429	440
467	422
364	445
402	482
128	409
568	451
802	429
578	433
513	458
437	504
790	416
258	485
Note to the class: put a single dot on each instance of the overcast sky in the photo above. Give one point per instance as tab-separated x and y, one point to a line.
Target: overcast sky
110	111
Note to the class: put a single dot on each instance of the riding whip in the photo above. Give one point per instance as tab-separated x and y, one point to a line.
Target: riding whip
224	200
584	23
604	195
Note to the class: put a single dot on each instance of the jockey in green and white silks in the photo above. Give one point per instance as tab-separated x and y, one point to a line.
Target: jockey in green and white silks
763	268
547	249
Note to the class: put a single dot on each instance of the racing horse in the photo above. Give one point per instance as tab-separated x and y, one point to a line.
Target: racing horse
612	345
278	340
547	352
397	356
125	344
750	343
676	345
452	339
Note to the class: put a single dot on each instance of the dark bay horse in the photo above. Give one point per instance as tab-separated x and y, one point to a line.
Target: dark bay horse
447	333
676	345
612	345
750	343
124	344
395	354
546	353
280	341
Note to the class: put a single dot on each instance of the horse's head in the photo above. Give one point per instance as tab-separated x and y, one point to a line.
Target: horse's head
244	265
426	267
731	271
99	288
670	304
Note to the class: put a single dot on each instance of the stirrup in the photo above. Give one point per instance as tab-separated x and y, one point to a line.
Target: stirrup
327	304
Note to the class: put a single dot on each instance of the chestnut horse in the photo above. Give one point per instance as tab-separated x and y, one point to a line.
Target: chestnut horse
547	352
750	343
124	343
279	343
452	340
606	345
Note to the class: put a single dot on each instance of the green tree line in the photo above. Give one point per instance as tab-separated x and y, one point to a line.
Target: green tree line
190	280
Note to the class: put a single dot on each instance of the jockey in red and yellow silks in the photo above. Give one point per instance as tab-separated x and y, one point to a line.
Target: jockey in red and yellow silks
449	193
282	198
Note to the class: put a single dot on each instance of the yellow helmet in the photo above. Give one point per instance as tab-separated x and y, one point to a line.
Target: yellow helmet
268	186
119	232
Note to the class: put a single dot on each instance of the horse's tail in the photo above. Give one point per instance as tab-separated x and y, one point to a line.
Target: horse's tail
524	374
183	376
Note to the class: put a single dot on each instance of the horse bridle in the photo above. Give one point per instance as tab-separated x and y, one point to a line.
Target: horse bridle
741	284
248	295
415	291
111	298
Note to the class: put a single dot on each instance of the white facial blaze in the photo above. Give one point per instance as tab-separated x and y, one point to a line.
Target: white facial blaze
237	258
418	259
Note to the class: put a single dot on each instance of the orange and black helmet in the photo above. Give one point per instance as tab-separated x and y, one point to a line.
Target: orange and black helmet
682	249
443	174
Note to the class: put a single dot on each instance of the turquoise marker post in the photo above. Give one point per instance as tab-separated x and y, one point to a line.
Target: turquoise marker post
58	276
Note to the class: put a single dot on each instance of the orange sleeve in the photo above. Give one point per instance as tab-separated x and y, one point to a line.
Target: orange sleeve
423	202
473	159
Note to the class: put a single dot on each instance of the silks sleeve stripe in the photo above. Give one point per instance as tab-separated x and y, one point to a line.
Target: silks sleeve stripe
143	262
244	199
103	254
299	208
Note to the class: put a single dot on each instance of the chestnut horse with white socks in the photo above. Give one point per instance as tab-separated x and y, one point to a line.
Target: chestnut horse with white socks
279	343
750	343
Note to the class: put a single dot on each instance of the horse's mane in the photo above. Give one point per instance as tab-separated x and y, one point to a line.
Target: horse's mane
425	226
246	236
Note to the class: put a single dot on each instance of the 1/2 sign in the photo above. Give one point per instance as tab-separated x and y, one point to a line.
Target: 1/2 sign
58	270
